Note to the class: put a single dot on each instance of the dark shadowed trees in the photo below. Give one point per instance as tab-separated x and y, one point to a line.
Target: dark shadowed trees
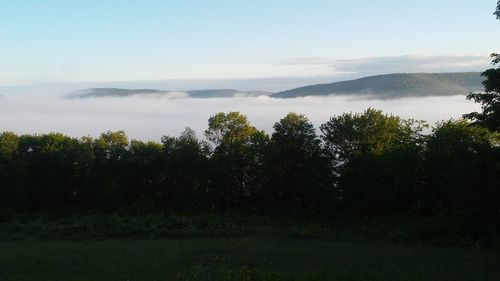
366	164
9	169
185	174
236	165
52	170
463	168
142	174
489	99
297	172
111	152
377	158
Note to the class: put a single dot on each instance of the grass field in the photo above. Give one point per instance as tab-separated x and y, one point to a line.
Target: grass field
244	258
210	248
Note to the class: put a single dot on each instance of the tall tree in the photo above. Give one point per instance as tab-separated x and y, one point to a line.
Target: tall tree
298	174
377	159
490	98
462	168
143	175
185	173
227	129
236	157
372	131
9	144
111	150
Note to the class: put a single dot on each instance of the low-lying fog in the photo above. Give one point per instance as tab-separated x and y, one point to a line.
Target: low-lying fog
149	118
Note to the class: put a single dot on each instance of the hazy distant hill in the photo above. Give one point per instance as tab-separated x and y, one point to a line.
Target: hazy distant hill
380	86
395	85
116	92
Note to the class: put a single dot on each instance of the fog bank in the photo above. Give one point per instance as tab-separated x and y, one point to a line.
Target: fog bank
149	118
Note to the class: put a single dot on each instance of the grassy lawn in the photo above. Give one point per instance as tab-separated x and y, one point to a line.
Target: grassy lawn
241	258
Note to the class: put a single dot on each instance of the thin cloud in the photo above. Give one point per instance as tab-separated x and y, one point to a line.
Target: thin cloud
394	64
413	64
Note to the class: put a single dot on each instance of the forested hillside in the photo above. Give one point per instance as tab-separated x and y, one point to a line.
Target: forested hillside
395	85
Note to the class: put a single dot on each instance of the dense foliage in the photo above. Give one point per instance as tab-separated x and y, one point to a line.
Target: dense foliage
489	99
361	165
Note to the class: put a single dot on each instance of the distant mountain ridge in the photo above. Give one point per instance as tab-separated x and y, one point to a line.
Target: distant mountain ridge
118	92
385	86
395	86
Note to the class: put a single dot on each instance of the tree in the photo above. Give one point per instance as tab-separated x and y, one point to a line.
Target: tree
143	175
226	129
185	173
9	143
9	168
298	174
462	165
236	164
377	159
489	99
497	12
372	131
51	169
111	145
111	151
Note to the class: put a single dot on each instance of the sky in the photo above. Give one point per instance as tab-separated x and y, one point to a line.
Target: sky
69	41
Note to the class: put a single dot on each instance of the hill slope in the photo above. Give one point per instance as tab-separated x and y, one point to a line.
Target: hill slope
395	85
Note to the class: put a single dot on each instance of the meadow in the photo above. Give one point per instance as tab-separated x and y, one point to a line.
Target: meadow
218	247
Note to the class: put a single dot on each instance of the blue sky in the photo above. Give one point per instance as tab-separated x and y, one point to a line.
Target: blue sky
111	40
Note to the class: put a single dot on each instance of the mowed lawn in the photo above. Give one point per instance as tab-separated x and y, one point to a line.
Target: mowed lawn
243	258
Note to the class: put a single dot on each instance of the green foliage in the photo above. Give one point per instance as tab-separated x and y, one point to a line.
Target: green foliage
497	12
9	146
371	132
364	164
463	167
9	143
227	129
295	129
49	167
298	176
236	159
489	99
111	145
185	173
378	160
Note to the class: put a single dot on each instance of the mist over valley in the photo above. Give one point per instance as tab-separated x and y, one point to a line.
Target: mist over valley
148	114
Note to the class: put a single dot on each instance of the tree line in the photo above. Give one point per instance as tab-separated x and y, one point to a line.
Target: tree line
360	164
